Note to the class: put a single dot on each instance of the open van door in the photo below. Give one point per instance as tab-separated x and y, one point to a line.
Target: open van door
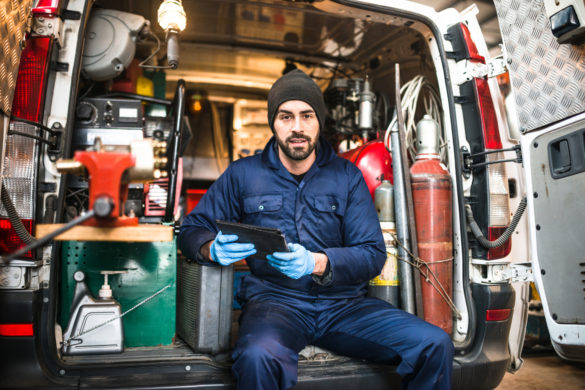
548	81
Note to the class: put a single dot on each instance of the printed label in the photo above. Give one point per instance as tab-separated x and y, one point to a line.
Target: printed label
389	275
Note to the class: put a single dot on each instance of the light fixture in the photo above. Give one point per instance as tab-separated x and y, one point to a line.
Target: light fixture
172	19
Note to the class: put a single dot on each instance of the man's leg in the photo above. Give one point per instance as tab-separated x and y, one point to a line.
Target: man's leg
375	330
270	338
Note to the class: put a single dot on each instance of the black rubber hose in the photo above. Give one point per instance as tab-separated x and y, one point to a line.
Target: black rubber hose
19	228
143	98
475	229
45	239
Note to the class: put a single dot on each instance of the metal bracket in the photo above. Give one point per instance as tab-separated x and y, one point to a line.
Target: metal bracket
13	277
469	164
494	271
54	151
47	26
496	66
467	70
521	272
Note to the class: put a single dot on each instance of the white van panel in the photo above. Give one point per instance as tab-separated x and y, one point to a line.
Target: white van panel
548	79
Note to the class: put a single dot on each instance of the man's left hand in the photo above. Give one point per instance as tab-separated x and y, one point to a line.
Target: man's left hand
294	264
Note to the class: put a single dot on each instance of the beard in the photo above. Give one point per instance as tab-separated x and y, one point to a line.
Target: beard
298	153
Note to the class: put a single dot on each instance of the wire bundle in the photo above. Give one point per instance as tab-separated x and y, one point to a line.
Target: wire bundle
410	93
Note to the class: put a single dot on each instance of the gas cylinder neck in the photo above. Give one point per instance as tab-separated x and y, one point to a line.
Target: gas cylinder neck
427	137
427	156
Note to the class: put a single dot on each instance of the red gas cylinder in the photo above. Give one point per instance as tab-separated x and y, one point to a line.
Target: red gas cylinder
375	162
431	193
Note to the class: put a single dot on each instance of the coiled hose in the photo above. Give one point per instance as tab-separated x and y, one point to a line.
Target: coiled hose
477	233
15	219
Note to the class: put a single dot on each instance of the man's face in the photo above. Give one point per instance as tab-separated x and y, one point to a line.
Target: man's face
296	129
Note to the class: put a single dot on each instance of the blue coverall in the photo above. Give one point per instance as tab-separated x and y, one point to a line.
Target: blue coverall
329	211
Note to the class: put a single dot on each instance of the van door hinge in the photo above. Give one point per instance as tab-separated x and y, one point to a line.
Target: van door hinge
494	271
521	272
47	26
467	70
496	66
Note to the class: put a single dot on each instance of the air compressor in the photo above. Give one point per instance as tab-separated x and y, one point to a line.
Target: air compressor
432	197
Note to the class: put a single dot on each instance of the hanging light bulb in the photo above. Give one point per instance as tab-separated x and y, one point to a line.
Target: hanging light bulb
172	19
171	15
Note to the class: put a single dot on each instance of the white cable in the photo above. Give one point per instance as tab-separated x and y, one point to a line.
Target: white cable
410	93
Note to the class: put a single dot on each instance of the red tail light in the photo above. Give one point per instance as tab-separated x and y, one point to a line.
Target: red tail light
15	330
499	212
50	7
494	232
497	314
472	52
491	131
480	101
31	82
9	240
20	160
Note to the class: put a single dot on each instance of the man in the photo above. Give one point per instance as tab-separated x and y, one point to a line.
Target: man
315	293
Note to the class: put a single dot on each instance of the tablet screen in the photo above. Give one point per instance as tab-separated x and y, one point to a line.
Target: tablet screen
266	240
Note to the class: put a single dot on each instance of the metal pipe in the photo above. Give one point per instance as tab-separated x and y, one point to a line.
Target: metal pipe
401	213
406	284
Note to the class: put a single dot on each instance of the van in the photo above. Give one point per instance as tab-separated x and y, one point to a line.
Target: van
150	101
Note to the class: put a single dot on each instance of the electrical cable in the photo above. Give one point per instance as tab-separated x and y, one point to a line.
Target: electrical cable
33	123
17	224
143	98
410	94
478	234
43	240
27	135
143	63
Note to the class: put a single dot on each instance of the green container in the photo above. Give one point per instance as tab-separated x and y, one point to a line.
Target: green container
151	266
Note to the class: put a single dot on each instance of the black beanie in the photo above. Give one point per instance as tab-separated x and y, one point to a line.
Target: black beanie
296	85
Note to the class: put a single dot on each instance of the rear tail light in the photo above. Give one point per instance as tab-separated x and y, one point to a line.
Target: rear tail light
31	82
22	152
497	314
499	195
19	181
497	217
499	209
50	7
16	330
472	52
490	128
9	240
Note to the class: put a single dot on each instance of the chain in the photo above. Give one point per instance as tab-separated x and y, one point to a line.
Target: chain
68	341
419	264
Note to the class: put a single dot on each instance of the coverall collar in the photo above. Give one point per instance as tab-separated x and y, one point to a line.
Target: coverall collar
270	154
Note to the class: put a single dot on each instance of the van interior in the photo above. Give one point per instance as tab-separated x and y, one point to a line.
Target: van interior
229	54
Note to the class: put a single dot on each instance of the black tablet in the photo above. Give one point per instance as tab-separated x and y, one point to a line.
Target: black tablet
266	240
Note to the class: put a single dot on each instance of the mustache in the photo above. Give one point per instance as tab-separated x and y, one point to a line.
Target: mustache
298	135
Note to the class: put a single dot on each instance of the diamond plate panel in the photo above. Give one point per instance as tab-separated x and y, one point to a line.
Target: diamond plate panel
13	18
548	79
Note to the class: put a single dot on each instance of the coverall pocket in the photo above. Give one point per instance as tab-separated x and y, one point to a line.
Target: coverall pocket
330	210
263	210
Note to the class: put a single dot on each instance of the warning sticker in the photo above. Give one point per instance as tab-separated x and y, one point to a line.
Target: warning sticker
389	275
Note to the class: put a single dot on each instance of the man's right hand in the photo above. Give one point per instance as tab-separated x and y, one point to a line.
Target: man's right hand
225	250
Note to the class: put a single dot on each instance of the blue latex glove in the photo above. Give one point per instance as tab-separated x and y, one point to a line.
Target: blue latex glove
225	250
294	264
